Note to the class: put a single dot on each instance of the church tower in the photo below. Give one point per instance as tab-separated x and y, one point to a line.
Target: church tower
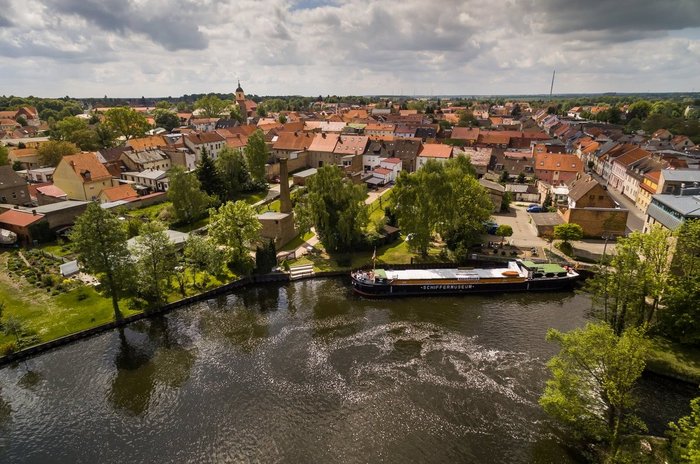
240	100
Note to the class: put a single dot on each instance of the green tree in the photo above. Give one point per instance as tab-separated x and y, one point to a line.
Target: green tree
265	257
211	106
680	319
445	199
4	156
208	175
203	255
126	122
521	178
76	130
628	291
467	119
190	203
639	109
282	119
166	119
236	226
503	231
51	152
685	436
568	231
591	390
256	155
506	201
164	105
100	242
547	203
505	177
156	259
233	172
236	114
335	207
105	135
13	326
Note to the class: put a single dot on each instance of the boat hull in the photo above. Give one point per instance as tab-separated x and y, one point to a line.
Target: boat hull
369	289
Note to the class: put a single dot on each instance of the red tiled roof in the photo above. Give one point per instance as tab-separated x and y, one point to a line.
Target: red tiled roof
351	144
18	218
120	192
558	162
51	190
382	171
324	142
83	163
293	141
436	150
205	137
391	160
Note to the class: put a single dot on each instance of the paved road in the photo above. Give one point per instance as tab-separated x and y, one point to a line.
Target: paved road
635	218
525	234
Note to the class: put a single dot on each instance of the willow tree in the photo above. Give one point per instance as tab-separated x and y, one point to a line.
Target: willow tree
335	207
444	199
100	241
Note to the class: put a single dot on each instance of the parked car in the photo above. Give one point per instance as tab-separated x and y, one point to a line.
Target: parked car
535	209
490	227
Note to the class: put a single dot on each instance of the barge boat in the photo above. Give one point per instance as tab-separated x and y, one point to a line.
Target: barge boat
515	276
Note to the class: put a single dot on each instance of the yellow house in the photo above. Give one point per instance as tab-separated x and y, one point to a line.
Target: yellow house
648	187
82	176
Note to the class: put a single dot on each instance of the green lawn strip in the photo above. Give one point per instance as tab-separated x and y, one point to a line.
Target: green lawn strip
296	242
51	317
56	249
151	211
252	198
674	359
272	206
190	227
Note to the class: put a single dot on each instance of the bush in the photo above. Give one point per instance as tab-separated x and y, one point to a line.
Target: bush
8	348
81	295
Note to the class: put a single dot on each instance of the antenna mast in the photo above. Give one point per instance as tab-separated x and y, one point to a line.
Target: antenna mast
552	86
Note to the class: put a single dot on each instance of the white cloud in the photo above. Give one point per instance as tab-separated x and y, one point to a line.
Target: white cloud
310	47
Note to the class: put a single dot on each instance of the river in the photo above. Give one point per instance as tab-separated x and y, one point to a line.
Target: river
307	372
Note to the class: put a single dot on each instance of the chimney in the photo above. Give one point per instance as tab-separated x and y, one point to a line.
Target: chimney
285	200
33	212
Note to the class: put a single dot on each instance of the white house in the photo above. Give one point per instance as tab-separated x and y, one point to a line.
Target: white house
394	165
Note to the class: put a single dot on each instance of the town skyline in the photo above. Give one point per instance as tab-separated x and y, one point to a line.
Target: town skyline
284	47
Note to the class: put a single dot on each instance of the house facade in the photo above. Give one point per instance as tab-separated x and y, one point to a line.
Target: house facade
13	188
82	176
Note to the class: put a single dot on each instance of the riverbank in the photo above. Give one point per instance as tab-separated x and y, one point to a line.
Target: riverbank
82	313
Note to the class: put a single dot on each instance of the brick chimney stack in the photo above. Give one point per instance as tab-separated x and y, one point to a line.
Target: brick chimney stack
285	200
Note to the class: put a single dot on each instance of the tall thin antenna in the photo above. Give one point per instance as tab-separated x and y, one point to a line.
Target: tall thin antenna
552	86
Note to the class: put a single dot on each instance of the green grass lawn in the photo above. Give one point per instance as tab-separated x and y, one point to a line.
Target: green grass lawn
296	242
674	359
151	212
56	249
393	253
51	317
252	198
272	206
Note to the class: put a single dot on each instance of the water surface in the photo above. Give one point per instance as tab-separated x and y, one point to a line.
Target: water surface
307	372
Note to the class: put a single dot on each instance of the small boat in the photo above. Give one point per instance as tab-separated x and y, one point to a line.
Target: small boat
515	276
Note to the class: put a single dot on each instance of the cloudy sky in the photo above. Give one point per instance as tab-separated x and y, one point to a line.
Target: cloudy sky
124	48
